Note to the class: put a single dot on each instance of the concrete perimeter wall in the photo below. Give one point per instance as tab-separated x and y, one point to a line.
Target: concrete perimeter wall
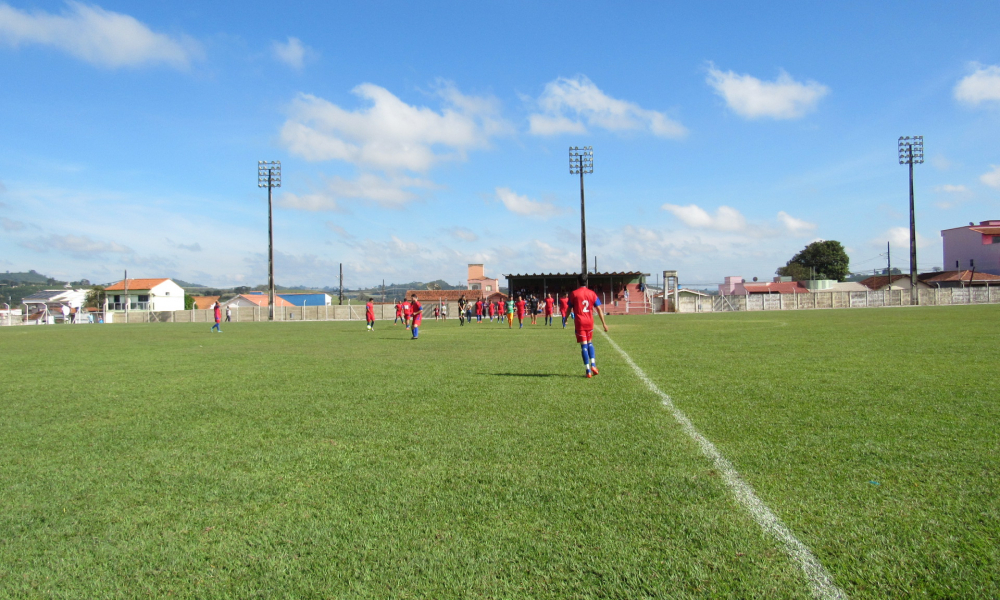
815	300
354	312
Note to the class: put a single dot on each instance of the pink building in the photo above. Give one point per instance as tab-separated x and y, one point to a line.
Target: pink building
477	280
973	246
735	286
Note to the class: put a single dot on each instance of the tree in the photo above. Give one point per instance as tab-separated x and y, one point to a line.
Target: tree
95	297
188	302
826	258
794	270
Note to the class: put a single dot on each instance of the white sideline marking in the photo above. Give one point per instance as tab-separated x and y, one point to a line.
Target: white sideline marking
819	579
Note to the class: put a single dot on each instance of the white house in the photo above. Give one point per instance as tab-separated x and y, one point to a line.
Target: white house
47	305
145	294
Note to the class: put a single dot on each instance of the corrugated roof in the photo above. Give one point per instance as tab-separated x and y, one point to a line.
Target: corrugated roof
877	282
204	302
965	275
986	230
614	274
262	300
136	284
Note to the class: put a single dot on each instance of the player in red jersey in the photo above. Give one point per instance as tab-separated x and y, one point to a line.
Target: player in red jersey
418	314
407	313
585	303
491	309
549	306
370	315
501	312
399	313
479	310
564	308
520	305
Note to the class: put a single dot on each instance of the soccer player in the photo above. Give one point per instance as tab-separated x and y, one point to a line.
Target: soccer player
218	316
491	309
501	310
418	314
510	312
461	310
585	303
407	313
520	305
533	309
549	305
399	313
479	310
370	315
564	308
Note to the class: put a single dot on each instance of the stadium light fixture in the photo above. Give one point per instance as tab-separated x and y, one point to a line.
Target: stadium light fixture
269	176
911	152
581	162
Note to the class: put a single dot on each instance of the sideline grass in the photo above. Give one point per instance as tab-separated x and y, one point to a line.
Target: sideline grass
318	460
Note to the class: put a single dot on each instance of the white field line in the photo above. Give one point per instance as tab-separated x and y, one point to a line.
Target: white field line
820	581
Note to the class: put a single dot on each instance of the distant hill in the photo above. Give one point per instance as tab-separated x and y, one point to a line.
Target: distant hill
187	285
31	276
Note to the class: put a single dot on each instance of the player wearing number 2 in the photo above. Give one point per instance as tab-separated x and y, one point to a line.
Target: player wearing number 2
584	304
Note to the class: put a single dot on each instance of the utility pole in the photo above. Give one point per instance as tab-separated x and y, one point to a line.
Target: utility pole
341	297
383	291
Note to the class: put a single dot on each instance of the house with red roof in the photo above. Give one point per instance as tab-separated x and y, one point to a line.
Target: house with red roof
735	286
258	299
144	294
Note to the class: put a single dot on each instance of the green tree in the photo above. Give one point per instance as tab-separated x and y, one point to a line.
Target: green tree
794	270
826	258
95	297
188	301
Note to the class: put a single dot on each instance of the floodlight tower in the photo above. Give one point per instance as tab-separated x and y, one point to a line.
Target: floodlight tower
911	152
269	176
581	160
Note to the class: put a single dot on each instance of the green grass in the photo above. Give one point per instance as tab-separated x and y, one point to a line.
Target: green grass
316	460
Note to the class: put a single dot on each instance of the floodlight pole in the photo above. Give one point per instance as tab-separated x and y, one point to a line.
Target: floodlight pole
581	160
269	176
911	151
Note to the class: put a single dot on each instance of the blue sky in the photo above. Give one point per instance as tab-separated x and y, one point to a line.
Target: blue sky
415	139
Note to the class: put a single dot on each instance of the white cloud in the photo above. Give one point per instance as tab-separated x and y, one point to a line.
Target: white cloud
795	226
992	178
292	53
752	98
463	234
100	37
952	189
78	245
899	237
981	86
11	225
725	219
571	105
390	192
523	205
390	134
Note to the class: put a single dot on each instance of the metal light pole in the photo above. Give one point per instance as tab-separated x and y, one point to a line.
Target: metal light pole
581	160
911	152
269	176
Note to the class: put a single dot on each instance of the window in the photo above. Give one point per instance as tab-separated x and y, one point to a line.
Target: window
996	239
489	288
143	297
118	299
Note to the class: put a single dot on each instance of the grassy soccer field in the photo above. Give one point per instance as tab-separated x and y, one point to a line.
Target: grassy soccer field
317	460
